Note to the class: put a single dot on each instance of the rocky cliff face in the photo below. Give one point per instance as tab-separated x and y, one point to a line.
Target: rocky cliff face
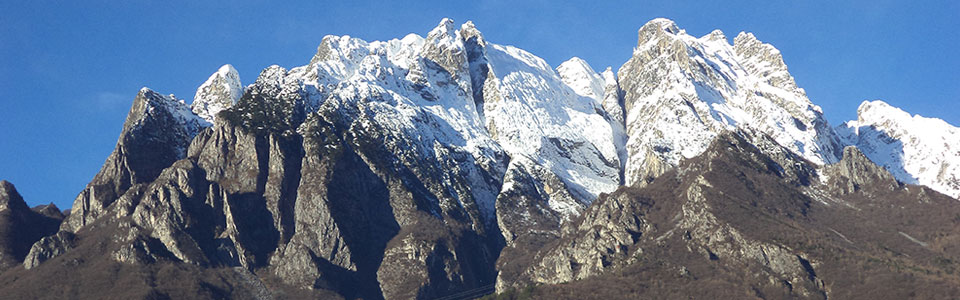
448	165
156	133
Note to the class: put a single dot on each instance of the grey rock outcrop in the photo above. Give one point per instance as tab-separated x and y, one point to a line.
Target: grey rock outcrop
20	226
855	173
48	247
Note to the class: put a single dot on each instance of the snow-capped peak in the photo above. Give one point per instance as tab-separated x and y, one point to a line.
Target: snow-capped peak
715	35
765	61
444	46
468	31
580	77
609	77
444	35
221	91
915	149
171	116
880	113
680	91
444	28
662	24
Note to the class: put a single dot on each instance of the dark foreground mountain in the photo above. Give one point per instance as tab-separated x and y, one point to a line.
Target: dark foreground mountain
21	226
737	222
451	167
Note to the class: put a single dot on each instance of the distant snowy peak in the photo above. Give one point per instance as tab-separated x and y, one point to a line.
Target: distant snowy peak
580	77
220	91
914	149
680	91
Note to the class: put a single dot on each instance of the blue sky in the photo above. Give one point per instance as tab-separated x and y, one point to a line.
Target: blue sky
69	69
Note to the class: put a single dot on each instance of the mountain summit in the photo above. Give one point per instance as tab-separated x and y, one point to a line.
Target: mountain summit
449	166
915	149
681	91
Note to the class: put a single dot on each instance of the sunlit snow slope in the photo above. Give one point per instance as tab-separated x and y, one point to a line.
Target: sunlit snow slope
914	149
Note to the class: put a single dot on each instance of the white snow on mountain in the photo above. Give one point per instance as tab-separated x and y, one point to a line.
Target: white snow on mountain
471	107
914	149
580	77
219	92
680	91
421	91
541	117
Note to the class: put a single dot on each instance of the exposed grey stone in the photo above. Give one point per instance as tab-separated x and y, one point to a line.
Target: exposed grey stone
856	173
48	247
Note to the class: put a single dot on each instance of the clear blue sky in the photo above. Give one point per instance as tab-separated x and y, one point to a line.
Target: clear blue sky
70	69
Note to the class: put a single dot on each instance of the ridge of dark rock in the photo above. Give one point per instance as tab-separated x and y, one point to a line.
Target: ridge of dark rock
20	226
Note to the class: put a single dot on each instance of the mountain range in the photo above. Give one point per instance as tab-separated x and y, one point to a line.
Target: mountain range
447	166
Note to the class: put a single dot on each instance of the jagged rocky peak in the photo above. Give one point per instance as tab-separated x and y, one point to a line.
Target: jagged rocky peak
679	91
469	31
444	47
343	48
156	133
915	149
221	91
748	46
855	171
20	226
444	33
715	35
271	76
160	119
50	210
656	28
9	197
764	60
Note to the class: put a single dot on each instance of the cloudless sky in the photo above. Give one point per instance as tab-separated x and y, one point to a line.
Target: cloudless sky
69	70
